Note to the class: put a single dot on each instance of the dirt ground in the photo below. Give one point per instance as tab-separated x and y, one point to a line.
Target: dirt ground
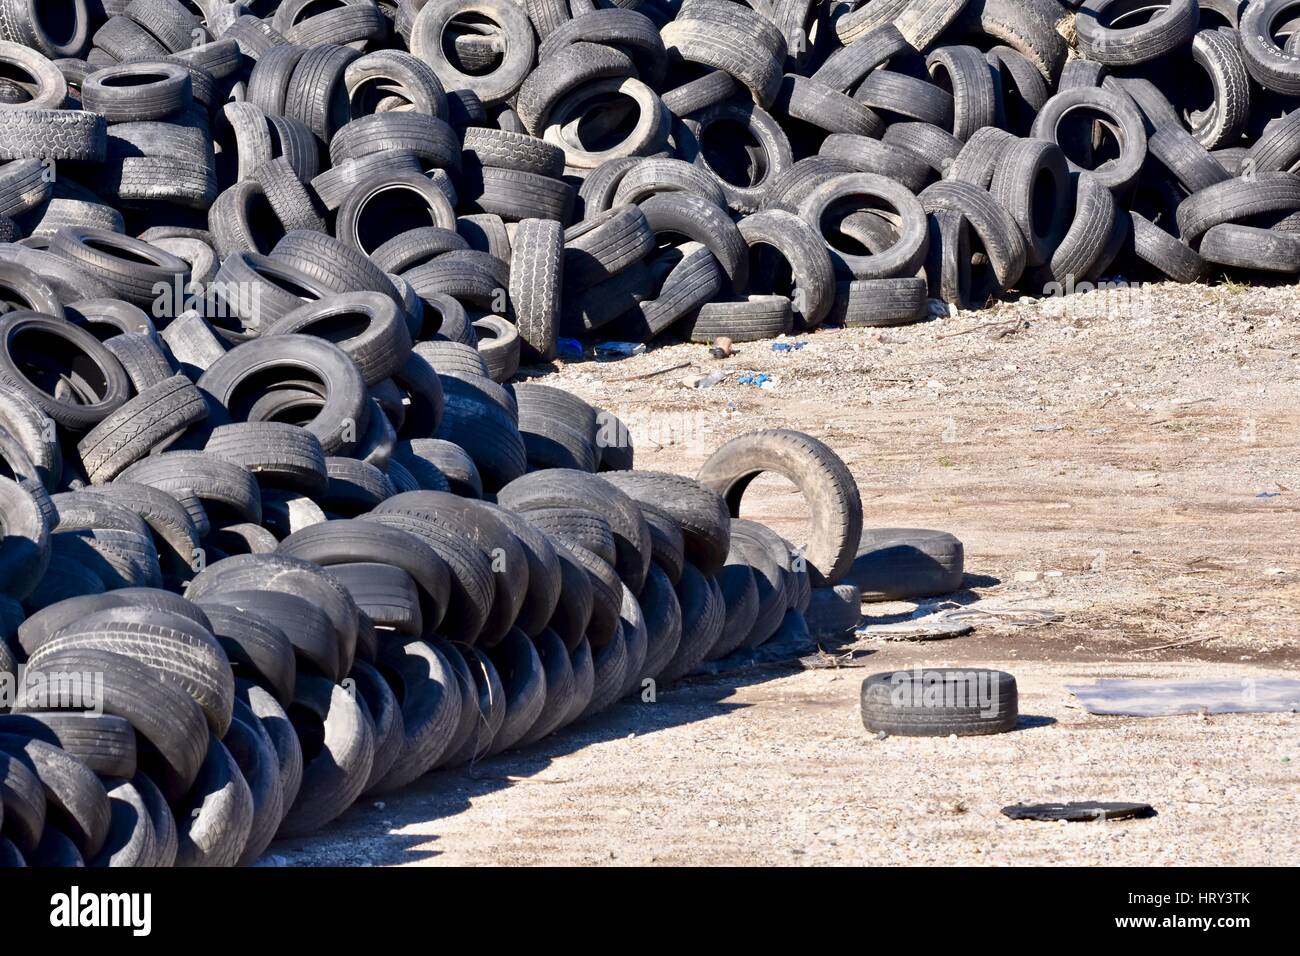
1126	461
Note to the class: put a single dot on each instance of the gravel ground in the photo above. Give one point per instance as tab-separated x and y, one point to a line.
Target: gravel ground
1126	460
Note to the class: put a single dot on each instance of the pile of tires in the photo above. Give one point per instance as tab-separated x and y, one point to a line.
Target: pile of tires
322	569
510	174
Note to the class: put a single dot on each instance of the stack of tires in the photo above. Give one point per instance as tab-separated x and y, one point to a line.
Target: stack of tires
507	174
316	573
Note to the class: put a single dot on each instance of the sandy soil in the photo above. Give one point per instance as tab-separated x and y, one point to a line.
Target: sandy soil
1126	459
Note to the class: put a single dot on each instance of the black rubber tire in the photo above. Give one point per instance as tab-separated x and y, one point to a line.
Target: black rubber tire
1032	182
344	413
159	711
258	649
1169	28
284	738
132	839
179	650
703	618
900	704
560	487
334	777
520	45
1122	119
537	261
524	681
104	743
252	751
383	712
904	256
215	819
139	426
83	358
197	479
75	801
25	556
820	474
902	564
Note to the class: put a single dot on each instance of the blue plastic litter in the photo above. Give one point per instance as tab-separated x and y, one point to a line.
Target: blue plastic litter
569	348
787	346
760	379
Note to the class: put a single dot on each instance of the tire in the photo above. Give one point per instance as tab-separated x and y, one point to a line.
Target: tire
899	703
178	649
904	256
252	751
489	708
132	93
35	434
544	573
1237	199
385	594
566	70
142	359
215	819
476	422
706	223
25	554
524	681
703	618
897	564
107	385
278	454
773	155
727	47
258	649
471	586
609	674
770	580
132	839
835	611
1125	122
1084	244
475	525
600	247
1168	29
520	42
880	302
953	203
566	488
103	743
260	574
1251	248
1032	182
573	611
739	589
333	778
75	801
812	467
23	797
538	257
130	433
275	721
160	712
385	716
342	416
752	319
498	343
385	74
73	135
846	67
196	479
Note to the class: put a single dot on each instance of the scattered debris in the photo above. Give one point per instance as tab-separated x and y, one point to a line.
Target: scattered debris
787	346
721	347
1152	698
619	349
1083	812
704	381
